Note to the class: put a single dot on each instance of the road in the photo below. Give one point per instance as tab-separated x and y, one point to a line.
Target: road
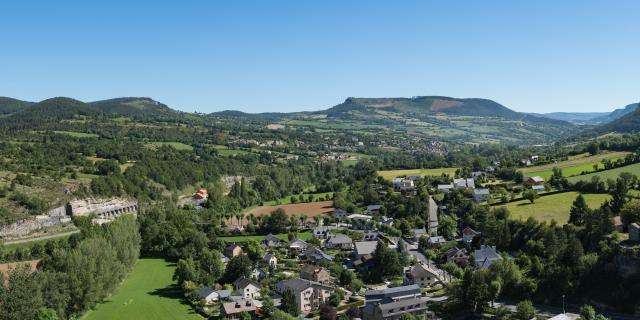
550	311
57	235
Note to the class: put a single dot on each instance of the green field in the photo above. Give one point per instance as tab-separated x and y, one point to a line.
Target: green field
575	165
78	134
177	145
287	200
552	207
147	293
390	174
301	235
606	174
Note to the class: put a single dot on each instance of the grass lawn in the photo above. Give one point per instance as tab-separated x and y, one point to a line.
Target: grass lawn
78	134
148	292
606	174
390	174
287	200
306	235
575	165
177	145
553	207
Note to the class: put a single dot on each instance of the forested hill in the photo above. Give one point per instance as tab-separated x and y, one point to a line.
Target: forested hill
10	105
628	123
28	115
423	105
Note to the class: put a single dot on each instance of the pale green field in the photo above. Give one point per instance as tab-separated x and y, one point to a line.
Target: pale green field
575	165
553	207
148	292
287	200
390	174
177	145
78	134
606	174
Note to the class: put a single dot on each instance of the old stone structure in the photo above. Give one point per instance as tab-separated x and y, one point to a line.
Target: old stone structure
105	210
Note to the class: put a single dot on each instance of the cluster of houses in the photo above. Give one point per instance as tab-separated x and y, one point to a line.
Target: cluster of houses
333	156
312	283
479	194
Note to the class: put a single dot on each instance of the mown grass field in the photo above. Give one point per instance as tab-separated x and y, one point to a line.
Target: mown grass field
78	134
148	292
390	174
306	235
177	145
552	207
575	165
287	200
606	174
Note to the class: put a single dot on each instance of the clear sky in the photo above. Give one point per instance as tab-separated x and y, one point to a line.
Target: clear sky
256	56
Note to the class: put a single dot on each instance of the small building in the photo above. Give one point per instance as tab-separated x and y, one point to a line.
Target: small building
322	232
480	195
310	295
445	187
372	236
271	241
464	183
538	188
247	288
359	217
339	241
425	276
457	256
269	260
436	241
233	309
468	234
315	255
339	214
201	194
534	181
211	296
315	273
486	256
297	245
258	274
232	250
418	233
371	209
634	231
365	248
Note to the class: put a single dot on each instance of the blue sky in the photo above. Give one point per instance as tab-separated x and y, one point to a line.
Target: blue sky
256	56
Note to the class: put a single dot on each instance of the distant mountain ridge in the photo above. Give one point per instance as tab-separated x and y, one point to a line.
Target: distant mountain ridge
593	118
629	122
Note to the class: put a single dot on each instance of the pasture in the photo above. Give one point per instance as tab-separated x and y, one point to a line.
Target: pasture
575	165
177	145
390	174
606	174
148	292
287	200
306	235
552	207
78	134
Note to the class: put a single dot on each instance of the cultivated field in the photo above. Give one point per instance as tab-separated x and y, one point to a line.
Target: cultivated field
310	209
606	174
148	292
575	165
552	207
390	174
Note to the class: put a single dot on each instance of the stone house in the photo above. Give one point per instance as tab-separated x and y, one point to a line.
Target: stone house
315	273
247	288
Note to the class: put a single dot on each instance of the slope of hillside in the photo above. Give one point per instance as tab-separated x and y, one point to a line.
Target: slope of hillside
10	105
464	120
627	123
616	114
132	106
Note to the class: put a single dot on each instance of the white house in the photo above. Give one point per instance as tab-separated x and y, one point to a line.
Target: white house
247	288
